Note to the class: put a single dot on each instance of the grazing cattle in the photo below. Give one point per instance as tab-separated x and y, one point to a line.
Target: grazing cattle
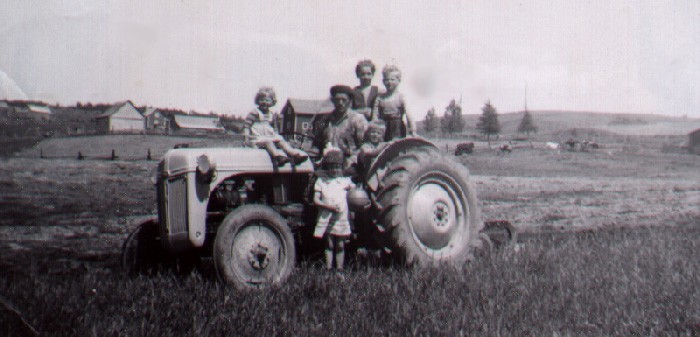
464	148
571	143
551	145
505	148
584	146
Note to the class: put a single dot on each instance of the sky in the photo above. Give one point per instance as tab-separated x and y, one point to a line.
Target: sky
212	56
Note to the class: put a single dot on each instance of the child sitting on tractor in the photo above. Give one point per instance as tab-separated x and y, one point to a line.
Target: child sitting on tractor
373	144
330	195
261	127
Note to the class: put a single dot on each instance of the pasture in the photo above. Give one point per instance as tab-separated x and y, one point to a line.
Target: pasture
611	249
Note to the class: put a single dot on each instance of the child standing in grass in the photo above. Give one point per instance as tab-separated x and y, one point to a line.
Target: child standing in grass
391	106
261	127
330	195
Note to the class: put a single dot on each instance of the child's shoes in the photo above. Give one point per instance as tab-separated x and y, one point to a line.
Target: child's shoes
299	158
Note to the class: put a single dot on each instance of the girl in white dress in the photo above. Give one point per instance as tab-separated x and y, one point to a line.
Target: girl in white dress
330	195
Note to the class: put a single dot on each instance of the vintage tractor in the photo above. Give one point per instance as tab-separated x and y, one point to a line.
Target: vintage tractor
253	218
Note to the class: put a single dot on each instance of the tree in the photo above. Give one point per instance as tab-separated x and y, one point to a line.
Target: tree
488	122
526	124
452	121
457	122
445	122
430	123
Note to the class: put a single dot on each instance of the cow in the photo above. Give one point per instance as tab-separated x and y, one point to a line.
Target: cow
551	146
584	146
464	148
505	148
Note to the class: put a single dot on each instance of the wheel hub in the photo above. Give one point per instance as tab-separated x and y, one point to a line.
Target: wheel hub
256	252
441	214
258	257
433	214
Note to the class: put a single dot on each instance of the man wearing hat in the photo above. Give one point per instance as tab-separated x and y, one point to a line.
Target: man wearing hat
344	128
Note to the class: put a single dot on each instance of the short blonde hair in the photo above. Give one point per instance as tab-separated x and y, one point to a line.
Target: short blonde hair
266	91
375	125
390	68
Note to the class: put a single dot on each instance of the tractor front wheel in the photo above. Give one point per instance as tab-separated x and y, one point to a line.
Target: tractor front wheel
254	248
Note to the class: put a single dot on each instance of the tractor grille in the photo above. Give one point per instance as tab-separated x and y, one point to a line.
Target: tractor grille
176	205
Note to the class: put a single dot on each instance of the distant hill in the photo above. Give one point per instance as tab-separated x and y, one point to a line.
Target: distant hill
558	122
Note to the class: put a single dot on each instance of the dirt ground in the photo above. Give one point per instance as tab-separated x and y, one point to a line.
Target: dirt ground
69	214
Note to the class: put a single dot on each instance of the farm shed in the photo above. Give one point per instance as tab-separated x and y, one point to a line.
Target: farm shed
39	108
197	124
155	120
298	114
694	142
121	117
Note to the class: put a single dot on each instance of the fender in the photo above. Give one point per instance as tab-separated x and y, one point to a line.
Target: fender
393	150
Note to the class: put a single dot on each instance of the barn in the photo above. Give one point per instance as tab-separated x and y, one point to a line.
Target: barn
298	114
694	142
155	120
193	124
121	117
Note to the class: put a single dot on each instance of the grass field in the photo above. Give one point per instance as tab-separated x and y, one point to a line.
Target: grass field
126	147
619	258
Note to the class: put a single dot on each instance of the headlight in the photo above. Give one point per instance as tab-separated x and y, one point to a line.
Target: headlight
206	169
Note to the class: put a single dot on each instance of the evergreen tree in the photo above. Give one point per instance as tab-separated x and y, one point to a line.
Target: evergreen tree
430	123
456	120
452	121
526	124
445	122
488	121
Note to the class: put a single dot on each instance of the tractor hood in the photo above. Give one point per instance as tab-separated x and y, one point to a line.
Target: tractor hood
180	161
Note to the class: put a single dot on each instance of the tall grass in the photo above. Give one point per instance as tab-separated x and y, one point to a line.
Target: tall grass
620	282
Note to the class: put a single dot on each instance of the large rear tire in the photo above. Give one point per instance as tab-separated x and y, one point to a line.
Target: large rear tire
254	248
428	209
143	253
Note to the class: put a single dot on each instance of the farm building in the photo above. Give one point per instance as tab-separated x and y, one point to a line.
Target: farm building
197	124
121	117
39	108
155	120
694	142
298	114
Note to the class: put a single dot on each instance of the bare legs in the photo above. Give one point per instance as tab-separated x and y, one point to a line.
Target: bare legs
281	157
335	246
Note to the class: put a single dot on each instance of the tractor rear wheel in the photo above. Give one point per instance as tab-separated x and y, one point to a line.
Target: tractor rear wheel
428	209
143	253
254	248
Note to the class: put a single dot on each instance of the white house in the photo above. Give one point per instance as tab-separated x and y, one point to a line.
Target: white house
121	117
